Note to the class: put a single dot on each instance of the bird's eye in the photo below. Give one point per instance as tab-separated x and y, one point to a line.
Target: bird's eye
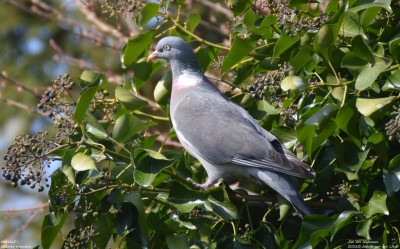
167	47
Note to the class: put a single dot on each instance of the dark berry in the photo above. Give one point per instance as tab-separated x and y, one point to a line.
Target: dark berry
281	26
296	11
40	189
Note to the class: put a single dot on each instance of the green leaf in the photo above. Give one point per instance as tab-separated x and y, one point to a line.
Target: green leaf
393	82
283	44
322	116
84	102
127	126
347	120
90	78
394	47
294	83
374	108
149	166
363	228
130	101
149	11
344	219
371	72
136	47
142	72
103	225
349	161
391	176
376	205
240	49
51	226
162	91
221	204
327	35
365	4
135	198
206	56
177	241
311	224
352	26
66	166
286	135
302	57
361	49
379	144
82	162
193	19
183	199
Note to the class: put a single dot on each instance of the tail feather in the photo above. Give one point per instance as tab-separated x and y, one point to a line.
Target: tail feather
281	184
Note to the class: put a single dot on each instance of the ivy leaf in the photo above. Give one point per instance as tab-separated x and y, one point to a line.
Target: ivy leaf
393	82
361	49
183	199
344	219
283	44
66	166
373	108
82	162
293	82
150	164
177	241
239	50
394	47
127	126
363	228
391	176
129	101
361	5
371	72
352	26
149	11
311	224
221	204
376	205
136	46
50	228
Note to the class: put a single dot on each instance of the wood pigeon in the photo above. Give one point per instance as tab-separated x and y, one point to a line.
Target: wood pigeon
227	141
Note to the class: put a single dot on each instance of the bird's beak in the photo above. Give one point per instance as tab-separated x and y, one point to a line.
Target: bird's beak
152	56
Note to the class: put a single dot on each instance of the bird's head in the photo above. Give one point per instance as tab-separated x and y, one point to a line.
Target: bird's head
172	48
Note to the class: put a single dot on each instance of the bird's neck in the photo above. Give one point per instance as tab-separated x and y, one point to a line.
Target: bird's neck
186	67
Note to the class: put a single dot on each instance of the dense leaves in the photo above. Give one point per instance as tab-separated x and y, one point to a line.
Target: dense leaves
321	76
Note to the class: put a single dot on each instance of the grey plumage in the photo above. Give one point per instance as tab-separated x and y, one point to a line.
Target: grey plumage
227	141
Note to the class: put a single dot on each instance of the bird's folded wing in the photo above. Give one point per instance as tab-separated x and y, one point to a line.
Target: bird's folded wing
221	132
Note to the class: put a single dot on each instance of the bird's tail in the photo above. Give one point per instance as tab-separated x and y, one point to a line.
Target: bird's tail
281	184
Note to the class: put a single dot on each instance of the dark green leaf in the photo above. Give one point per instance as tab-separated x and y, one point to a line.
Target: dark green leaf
361	49
363	228
221	204
149	11
394	47
342	220
83	103
286	135
311	224
349	161
206	56
142	72
149	166
183	199
66	166
302	57
91	78
103	225
177	241
51	227
352	26
239	50
283	44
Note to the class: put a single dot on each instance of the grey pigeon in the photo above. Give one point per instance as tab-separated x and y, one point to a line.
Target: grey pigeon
227	141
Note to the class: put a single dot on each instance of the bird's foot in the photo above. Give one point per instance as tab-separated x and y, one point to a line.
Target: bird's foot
199	186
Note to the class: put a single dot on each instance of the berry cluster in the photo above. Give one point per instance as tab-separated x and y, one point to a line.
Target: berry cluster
392	127
26	159
127	8
104	106
81	238
293	21
59	105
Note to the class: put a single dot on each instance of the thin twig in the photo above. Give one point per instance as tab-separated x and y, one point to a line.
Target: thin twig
19	84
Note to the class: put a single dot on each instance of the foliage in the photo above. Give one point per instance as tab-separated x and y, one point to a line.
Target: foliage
322	76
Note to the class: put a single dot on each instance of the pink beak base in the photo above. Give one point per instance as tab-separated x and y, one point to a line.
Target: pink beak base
152	56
